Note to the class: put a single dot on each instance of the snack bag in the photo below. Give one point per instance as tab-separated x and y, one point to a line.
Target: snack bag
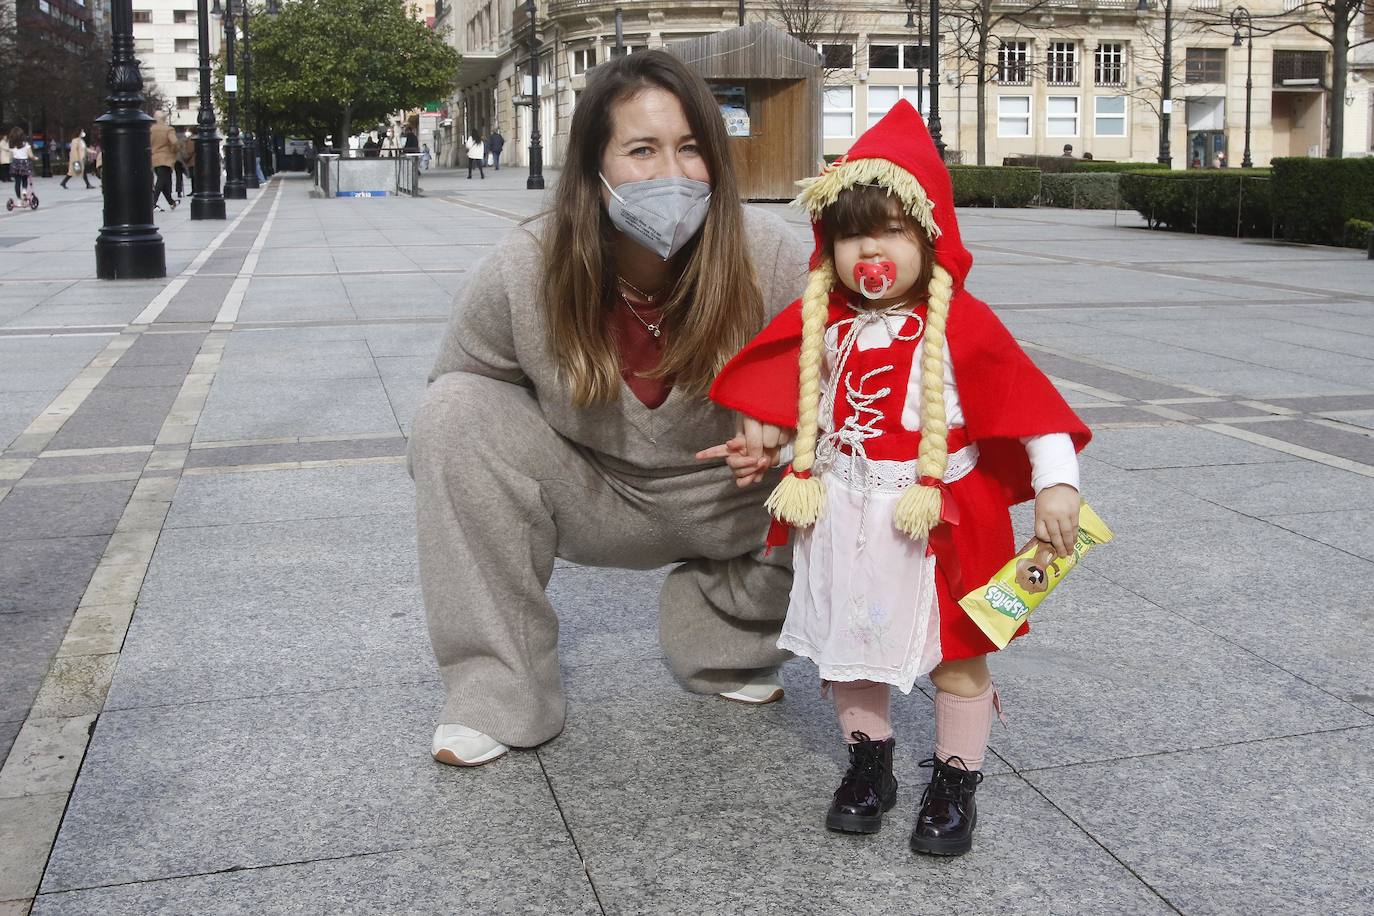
1000	607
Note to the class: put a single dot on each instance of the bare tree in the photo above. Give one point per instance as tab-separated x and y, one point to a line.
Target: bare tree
1146	79
816	22
971	24
1332	21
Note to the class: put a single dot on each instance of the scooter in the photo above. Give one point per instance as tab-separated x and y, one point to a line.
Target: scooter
30	200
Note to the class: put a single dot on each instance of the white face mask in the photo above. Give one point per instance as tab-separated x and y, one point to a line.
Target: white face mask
661	214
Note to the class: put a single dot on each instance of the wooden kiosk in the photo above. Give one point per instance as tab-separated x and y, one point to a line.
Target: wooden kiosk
768	85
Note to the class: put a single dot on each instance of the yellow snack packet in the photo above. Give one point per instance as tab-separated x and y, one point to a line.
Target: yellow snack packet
1000	607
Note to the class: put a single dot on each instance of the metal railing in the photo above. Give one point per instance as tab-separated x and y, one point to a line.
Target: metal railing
408	174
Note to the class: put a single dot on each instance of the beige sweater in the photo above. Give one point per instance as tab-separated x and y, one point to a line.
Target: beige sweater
498	330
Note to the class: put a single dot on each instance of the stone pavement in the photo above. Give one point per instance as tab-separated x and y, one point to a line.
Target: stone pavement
210	621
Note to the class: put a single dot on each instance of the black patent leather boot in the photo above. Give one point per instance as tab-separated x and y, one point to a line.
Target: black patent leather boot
944	825
868	788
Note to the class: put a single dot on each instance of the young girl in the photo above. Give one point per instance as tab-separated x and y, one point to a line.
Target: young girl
919	421
21	165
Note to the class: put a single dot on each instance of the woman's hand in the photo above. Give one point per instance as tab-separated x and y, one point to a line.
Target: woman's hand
751	451
1056	517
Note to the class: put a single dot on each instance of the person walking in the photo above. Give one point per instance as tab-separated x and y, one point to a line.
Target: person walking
412	142
425	157
6	157
164	148
21	162
476	154
496	143
568	401
76	160
186	151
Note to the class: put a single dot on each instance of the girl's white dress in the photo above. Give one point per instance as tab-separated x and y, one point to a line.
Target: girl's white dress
863	604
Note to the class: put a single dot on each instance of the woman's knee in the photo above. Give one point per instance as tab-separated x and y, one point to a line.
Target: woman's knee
464	417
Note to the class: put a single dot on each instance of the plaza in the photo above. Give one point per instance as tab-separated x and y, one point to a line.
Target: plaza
217	691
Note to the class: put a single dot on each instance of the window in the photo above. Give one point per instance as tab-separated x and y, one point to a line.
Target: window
837	117
186	73
1013	63
143	46
187	46
897	57
184	17
1061	64
1205	65
882	98
143	16
1013	115
185	102
1109	64
583	60
627	49
837	57
1061	116
1109	116
1309	66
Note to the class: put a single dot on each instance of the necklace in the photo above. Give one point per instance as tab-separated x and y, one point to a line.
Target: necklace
653	328
636	290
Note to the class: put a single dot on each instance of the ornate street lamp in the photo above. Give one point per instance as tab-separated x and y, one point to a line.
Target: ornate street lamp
234	187
535	181
250	145
1240	16
933	63
266	150
207	201
128	245
1166	104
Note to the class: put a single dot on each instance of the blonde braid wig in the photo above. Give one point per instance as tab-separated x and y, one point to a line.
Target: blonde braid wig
798	497
918	509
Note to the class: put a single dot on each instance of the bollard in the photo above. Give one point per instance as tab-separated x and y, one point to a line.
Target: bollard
1370	252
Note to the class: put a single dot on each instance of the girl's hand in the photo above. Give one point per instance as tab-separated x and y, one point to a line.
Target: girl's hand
752	451
1056	517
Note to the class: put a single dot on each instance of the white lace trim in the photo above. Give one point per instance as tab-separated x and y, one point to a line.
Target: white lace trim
857	473
903	678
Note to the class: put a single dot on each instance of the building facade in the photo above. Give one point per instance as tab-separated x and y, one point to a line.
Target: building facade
167	44
1056	73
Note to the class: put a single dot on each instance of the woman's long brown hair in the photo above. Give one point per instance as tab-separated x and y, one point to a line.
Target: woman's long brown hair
715	305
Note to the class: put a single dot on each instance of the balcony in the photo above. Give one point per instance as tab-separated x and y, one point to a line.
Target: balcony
1300	69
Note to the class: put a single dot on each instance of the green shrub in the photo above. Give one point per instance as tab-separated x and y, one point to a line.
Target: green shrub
994	186
1215	201
1043	163
1090	191
1106	165
1315	198
1357	233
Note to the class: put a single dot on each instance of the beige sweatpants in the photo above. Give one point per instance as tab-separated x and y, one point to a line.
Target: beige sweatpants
500	494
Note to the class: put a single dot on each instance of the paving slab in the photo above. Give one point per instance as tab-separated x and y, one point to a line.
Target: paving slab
28	640
114	416
1270	841
279	496
47	572
68	511
1176	447
1349	530
271	408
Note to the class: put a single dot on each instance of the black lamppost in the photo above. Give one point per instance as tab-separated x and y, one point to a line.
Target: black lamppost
266	151
128	245
932	64
207	201
535	182
914	21
234	187
1241	17
1166	104
250	146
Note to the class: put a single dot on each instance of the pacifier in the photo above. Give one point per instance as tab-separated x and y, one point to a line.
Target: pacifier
875	278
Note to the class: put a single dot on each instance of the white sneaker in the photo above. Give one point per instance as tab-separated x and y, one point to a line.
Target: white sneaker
460	746
765	688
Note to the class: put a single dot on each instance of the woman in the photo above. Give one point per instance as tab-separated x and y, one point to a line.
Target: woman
76	160
567	405
477	154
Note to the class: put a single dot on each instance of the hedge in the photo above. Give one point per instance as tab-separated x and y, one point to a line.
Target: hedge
1216	201
1090	191
1314	199
1357	233
994	186
1106	165
1043	163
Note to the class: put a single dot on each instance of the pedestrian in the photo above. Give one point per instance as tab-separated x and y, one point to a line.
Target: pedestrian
496	143
6	157
916	410
412	142
1068	150
568	400
163	140
96	156
476	155
425	157
371	148
76	160
21	162
186	153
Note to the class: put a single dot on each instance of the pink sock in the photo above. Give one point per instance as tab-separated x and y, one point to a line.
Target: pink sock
962	725
863	706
